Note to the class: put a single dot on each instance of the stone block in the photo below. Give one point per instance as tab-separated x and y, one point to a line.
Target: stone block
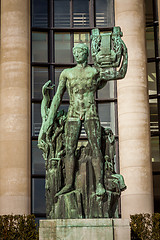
121	229
82	229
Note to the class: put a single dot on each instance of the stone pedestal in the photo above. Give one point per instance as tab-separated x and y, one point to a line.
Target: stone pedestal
82	229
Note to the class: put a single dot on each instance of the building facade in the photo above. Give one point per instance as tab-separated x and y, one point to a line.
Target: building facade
37	37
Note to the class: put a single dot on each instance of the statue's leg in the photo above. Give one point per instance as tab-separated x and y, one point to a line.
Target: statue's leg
93	130
72	132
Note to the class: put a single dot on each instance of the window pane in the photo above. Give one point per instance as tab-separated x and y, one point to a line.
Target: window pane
104	13
82	143
36	119
39	77
64	107
155	149
83	132
82	37
38	196
107	115
62	13
62	48
107	91
39	13
152	78
80	13
149	11
39	47
38	163
150	42
57	74
153	115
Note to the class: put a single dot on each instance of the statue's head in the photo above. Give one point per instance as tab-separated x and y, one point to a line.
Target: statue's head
80	53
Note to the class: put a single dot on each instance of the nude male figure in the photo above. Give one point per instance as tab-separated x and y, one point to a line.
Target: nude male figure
81	82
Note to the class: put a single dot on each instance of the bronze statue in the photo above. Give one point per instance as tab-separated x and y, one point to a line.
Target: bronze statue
81	82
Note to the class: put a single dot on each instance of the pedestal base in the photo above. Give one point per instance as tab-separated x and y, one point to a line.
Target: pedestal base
82	229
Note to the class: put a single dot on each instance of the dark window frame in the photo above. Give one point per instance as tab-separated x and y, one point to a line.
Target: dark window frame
156	60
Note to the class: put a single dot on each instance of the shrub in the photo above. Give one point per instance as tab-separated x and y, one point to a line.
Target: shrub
145	226
19	227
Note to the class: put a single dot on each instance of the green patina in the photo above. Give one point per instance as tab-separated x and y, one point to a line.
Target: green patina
82	182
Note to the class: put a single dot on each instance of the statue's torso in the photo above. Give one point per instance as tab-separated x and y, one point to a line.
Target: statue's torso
81	85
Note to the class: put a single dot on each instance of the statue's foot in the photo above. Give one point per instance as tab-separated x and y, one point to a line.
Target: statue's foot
100	191
65	189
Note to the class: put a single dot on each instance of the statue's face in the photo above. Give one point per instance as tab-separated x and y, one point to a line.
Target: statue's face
80	55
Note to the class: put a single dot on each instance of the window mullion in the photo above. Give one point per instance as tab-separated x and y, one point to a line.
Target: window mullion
51	56
92	13
71	13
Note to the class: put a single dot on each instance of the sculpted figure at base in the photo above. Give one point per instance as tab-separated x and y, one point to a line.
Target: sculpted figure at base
82	82
52	143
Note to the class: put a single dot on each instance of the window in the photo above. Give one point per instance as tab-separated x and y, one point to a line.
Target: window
153	61
153	74
58	25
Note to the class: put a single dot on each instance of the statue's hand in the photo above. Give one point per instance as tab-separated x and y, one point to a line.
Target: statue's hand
108	74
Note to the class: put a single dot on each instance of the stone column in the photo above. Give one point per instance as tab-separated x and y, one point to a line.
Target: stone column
14	108
133	112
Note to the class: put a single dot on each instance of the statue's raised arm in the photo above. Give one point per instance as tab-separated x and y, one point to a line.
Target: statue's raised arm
109	54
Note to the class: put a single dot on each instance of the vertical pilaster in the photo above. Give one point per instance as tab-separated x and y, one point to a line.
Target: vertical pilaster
133	112
14	108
